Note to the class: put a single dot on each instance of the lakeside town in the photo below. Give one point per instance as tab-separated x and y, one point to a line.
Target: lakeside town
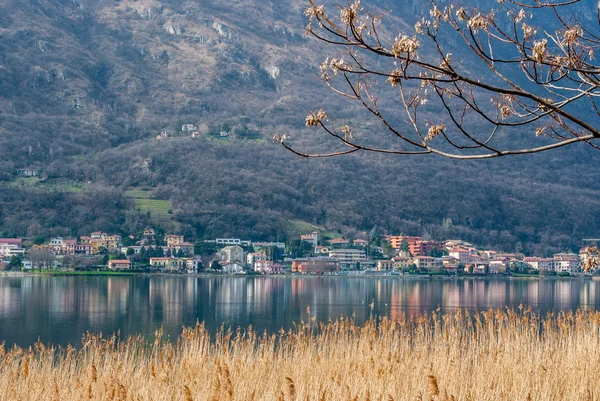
312	253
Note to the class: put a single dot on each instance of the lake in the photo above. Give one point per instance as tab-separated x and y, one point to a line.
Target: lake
59	310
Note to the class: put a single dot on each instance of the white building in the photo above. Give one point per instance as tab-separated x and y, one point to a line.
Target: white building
348	257
8	250
566	262
461	254
541	264
232	241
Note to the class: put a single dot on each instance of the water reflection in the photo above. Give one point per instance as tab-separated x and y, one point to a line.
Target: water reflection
60	310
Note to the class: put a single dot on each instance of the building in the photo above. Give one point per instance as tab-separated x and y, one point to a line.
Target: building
232	268
8	250
497	266
396	241
450	262
173	240
402	263
360	242
348	258
149	233
232	241
313	238
566	262
461	254
428	263
262	245
318	265
231	254
321	250
339	242
100	239
119	264
425	248
78	248
253	257
188	128
28	172
541	264
169	264
267	267
186	248
14	241
491	255
385	265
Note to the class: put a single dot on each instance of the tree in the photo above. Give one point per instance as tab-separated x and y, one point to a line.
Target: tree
517	78
387	248
15	262
130	251
404	246
41	258
38	240
205	248
215	265
180	253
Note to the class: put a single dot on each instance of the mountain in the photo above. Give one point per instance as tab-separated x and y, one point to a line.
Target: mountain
86	87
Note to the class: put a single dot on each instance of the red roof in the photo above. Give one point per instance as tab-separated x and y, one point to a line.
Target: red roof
462	250
14	241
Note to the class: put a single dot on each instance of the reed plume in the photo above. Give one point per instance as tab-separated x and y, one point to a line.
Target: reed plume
492	355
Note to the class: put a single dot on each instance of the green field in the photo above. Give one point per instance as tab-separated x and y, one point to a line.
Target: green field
158	208
48	185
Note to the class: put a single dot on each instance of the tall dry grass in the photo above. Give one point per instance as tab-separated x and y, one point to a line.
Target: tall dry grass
495	355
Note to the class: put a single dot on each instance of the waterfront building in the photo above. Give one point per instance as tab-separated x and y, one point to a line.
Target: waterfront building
318	265
119	264
348	258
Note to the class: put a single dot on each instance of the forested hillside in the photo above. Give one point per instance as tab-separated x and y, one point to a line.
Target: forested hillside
87	86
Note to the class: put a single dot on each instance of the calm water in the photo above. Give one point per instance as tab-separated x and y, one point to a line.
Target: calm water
59	310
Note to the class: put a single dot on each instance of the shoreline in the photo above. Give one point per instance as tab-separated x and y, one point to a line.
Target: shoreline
290	275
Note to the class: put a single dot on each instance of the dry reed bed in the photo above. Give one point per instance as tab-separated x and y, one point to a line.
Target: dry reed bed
494	355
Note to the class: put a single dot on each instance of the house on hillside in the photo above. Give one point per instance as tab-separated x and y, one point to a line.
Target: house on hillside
339	242
321	250
149	234
188	128
312	238
28	172
187	248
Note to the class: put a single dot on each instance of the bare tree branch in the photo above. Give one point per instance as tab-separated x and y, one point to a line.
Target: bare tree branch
538	82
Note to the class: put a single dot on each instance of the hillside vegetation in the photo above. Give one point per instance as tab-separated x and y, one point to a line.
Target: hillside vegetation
86	87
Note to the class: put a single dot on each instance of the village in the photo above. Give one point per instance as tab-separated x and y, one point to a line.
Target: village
313	254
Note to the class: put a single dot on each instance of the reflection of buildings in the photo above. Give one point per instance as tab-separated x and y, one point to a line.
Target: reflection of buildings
61	309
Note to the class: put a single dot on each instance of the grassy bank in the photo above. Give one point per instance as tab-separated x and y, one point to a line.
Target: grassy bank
495	355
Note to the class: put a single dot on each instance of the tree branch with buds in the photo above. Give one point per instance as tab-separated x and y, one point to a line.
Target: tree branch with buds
516	89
